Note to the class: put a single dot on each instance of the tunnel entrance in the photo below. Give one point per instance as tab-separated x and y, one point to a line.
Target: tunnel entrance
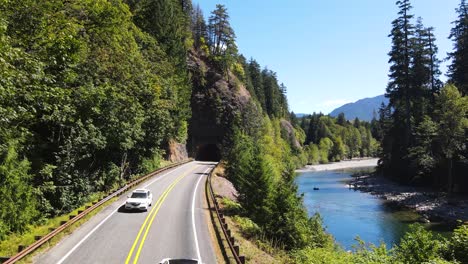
208	152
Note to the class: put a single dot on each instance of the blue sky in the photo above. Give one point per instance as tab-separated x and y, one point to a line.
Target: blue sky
328	52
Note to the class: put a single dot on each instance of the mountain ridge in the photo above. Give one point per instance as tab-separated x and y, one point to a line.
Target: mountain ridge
363	109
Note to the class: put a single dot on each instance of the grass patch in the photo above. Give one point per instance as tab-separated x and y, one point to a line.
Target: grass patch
9	246
230	207
253	245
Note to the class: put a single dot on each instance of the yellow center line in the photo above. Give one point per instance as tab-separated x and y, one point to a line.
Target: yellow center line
152	215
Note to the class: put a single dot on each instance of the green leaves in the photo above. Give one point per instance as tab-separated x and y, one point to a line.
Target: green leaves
17	208
418	246
92	96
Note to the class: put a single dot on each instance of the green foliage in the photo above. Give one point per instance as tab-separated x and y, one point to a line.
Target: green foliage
372	254
458	244
418	246
93	97
247	226
17	208
422	158
321	256
313	154
459	34
421	130
152	163
344	140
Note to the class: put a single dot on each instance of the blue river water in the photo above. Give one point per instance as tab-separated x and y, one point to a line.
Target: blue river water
348	213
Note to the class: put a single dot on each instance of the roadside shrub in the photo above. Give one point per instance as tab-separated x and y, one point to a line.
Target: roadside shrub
419	246
247	226
458	244
152	163
321	256
366	254
230	207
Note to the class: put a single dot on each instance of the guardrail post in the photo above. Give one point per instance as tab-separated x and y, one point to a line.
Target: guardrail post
228	231
71	217
3	259
232	240
242	259
236	248
21	247
37	237
63	222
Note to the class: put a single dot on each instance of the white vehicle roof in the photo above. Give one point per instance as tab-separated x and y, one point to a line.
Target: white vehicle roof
141	190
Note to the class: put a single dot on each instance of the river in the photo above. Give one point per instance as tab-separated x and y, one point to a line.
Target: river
348	213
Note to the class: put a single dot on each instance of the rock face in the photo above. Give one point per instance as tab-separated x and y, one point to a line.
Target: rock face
176	152
217	100
289	130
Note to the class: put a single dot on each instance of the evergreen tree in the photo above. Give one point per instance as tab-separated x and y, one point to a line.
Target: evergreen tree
257	82
168	22
18	207
221	34
424	71
422	158
452	117
341	120
398	89
458	70
199	27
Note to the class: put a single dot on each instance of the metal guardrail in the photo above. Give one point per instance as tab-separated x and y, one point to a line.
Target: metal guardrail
73	219
224	226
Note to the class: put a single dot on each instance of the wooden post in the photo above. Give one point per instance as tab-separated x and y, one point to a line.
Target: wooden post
236	249
242	259
21	247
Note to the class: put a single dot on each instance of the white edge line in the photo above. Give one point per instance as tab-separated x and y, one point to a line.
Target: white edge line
193	218
86	237
107	218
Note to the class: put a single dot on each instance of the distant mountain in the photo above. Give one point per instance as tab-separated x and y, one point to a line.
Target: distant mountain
362	109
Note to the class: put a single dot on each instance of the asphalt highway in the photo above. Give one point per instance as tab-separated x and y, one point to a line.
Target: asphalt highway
175	226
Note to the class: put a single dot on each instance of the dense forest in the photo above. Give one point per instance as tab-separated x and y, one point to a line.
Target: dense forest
335	139
424	127
92	92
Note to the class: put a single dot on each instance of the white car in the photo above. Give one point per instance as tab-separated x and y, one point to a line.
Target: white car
179	261
140	199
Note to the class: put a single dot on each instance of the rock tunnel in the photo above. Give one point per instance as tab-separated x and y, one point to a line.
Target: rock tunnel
208	152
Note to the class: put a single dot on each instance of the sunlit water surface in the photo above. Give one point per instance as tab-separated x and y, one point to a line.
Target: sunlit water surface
348	213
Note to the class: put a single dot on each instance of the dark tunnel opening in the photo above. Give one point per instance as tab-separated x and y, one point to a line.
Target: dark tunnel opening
208	152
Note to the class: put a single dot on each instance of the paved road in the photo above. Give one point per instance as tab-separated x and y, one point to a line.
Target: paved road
176	225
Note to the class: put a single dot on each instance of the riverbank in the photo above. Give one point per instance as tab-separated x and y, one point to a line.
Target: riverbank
347	164
431	205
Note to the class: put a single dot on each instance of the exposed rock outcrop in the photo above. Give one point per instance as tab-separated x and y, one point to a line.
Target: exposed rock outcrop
217	101
176	152
287	127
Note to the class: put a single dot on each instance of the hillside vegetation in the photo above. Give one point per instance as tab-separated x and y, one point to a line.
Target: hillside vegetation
425	125
92	92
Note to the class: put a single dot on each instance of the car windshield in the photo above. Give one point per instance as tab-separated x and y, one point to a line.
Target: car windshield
138	195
